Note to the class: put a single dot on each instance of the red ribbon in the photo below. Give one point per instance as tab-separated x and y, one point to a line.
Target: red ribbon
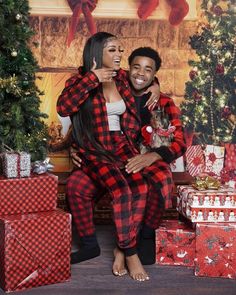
165	132
78	7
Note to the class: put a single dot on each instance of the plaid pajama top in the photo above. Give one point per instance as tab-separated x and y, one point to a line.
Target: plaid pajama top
79	88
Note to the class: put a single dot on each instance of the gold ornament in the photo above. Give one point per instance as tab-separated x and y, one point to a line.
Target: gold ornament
232	118
10	85
228	54
14	53
18	16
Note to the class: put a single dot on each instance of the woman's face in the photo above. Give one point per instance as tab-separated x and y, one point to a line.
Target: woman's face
112	53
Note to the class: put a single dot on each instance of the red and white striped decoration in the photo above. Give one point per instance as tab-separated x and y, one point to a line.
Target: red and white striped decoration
195	160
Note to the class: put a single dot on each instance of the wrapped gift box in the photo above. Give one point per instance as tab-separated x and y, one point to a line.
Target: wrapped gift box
216	250
207	205
230	157
33	194
195	161
178	165
34	249
175	243
16	164
214	157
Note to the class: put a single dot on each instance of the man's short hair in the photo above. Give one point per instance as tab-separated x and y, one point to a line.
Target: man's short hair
147	52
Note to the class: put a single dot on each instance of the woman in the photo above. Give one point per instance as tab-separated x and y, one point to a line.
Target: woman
105	127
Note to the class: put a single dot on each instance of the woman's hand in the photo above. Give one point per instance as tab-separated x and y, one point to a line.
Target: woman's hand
74	157
155	95
103	74
139	162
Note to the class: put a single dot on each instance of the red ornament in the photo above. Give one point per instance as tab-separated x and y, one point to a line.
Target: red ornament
226	112
78	7
220	69
217	10
193	74
197	96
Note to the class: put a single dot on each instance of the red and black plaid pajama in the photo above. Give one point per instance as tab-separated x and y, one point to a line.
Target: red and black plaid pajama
160	189
128	193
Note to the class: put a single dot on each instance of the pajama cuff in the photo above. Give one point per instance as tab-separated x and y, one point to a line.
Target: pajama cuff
130	251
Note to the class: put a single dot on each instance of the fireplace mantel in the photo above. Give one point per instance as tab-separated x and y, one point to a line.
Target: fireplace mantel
107	9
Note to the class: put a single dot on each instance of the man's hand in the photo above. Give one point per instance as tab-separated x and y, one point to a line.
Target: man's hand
139	162
155	95
103	74
74	157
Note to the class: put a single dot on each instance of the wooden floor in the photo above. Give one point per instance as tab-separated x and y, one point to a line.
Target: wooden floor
94	277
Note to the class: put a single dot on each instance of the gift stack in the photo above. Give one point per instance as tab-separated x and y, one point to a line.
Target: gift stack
35	237
207	238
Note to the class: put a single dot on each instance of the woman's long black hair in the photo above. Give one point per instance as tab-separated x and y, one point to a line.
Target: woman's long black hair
82	121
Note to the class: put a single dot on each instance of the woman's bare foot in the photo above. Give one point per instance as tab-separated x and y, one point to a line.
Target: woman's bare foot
136	269
118	267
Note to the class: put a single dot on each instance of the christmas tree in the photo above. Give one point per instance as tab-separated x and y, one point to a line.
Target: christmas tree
21	122
209	109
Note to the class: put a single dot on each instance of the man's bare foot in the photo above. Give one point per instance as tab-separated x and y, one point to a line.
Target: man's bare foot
118	267
136	269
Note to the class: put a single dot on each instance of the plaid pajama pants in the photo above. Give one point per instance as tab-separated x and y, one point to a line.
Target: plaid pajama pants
128	193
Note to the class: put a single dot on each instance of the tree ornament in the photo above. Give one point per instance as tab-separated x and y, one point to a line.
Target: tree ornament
220	69
197	96
10	85
193	74
14	53
18	16
226	112
228	54
217	91
217	10
232	118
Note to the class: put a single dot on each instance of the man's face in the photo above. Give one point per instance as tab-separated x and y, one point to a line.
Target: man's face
141	73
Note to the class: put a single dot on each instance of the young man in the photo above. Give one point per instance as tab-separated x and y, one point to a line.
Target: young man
144	62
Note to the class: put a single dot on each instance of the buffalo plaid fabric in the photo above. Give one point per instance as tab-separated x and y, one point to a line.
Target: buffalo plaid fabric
128	193
32	194
34	250
160	189
78	89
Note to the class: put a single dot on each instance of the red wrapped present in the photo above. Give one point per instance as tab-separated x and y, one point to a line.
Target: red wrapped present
214	157
207	205
175	244
34	249
195	161
33	194
230	157
216	250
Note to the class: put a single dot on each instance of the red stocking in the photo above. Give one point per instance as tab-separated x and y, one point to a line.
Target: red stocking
179	9
146	7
